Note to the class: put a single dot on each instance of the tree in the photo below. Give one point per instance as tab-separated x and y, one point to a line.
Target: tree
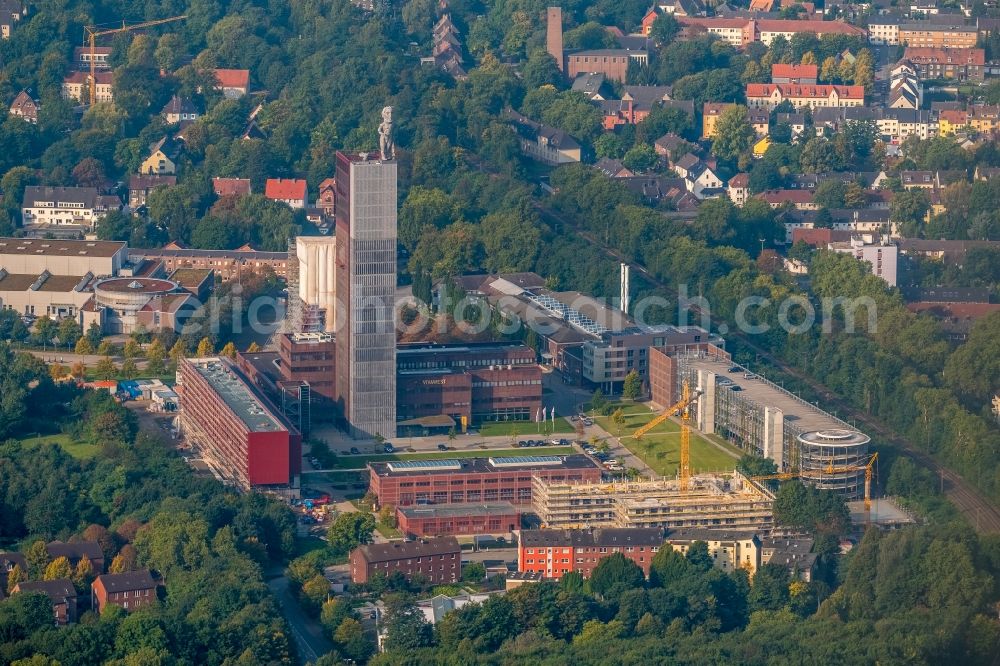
350	638
83	574
350	530
37	558
178	351
752	465
58	568
106	368
615	574
632	387
540	70
597	401
253	348
405	626
68	332
132	349
129	369
229	351
830	193
909	210
45	330
314	592
156	357
641	158
770	588
204	348
474	572
94	334
618	418
818	156
14	576
733	133
83	346
665	28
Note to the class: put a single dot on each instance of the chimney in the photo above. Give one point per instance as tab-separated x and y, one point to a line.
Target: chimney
553	35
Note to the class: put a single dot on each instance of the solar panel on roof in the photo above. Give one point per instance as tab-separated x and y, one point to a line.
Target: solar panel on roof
421	465
517	461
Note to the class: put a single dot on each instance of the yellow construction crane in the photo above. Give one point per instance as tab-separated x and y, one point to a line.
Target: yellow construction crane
92	32
868	469
683	407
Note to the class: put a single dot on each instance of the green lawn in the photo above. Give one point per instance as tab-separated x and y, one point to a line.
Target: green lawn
357	462
79	450
661	447
516	428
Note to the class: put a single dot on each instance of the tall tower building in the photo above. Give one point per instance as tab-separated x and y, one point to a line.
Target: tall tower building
554	35
366	288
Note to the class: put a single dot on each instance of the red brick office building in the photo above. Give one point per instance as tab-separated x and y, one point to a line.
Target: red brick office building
473	382
663	387
130	590
553	553
471	480
440	560
309	357
485	518
238	431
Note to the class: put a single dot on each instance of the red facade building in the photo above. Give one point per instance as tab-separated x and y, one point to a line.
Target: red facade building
470	383
439	560
486	518
238	431
472	480
130	590
60	592
553	553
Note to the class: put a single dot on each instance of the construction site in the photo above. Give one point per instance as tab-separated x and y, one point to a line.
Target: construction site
714	501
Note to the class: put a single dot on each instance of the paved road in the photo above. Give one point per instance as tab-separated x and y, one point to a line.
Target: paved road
981	512
307	633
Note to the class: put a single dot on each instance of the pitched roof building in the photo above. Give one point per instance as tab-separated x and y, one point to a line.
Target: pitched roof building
130	590
61	594
229	187
25	106
438	560
234	83
771	95
291	191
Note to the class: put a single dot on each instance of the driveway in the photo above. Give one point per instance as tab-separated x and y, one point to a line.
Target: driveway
310	642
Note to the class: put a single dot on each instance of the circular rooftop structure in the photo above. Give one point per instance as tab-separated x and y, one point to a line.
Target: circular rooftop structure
135	285
834	459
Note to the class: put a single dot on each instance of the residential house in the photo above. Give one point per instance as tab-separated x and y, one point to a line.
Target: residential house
327	200
11	11
61	594
793	553
951	121
231	187
58	206
613	168
880	256
729	551
25	106
760	120
960	64
801	199
76	87
663	189
590	85
437	560
738	188
796	121
74	551
290	191
734	31
543	143
163	157
131	590
637	103
767	30
676	8
669	144
930	180
905	91
799	74
884	29
984	118
700	179
140	185
101	57
710	116
447	48
179	109
234	83
9	560
938	35
770	95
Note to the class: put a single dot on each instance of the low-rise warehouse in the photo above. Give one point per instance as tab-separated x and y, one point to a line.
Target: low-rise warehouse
485	518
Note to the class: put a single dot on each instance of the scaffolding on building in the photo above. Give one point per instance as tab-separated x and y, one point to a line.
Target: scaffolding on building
712	501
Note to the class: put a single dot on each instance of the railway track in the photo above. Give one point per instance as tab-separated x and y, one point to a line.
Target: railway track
982	514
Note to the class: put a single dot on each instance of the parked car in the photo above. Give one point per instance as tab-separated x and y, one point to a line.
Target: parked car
734	387
388	448
442	447
735	368
354	450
